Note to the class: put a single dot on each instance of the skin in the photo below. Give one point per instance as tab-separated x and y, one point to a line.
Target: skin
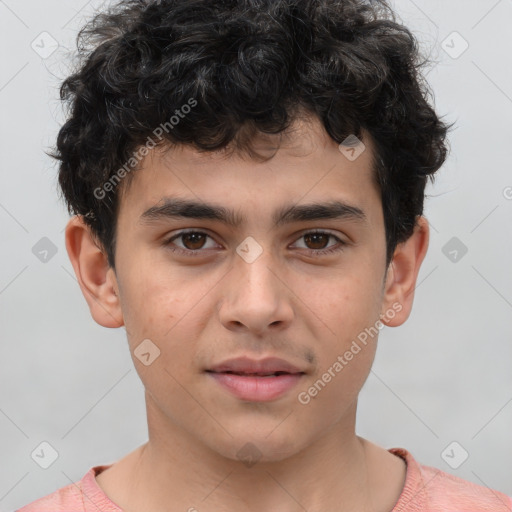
201	310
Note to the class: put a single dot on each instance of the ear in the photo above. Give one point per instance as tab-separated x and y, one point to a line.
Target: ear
402	275
96	279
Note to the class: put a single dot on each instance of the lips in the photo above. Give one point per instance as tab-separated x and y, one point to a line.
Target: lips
245	366
256	380
246	374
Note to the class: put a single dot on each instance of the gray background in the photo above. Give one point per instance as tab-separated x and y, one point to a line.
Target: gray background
444	376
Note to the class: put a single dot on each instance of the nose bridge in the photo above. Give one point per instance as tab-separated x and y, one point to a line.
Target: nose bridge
255	268
255	297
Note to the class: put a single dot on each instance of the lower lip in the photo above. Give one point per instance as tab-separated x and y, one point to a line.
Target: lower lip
257	389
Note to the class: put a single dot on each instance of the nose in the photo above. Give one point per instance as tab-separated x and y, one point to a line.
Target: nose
256	297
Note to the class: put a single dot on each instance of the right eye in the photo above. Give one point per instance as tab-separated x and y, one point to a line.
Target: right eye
194	239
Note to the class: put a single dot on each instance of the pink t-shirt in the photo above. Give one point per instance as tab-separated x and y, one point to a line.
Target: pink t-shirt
426	489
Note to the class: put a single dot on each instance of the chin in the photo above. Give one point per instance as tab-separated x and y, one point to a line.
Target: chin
266	445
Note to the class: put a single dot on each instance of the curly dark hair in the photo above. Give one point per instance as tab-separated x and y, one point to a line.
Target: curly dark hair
243	67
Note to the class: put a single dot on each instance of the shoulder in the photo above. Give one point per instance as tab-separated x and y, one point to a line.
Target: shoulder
429	488
68	498
82	496
445	489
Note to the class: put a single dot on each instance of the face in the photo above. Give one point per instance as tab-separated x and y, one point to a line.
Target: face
204	290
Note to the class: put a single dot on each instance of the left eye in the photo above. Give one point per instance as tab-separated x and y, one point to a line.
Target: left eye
319	238
193	241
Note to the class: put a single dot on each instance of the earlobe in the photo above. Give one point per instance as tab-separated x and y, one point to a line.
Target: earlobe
402	275
96	279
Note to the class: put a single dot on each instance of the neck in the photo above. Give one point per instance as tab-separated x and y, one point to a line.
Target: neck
338	471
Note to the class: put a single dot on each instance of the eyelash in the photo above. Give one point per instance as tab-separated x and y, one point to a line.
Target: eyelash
190	252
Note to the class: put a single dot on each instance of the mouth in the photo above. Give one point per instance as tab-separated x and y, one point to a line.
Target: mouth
255	380
256	386
256	374
260	368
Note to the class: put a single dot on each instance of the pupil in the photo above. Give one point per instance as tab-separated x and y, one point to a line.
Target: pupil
315	237
197	236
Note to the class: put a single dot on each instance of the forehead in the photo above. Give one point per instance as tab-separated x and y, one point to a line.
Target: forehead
306	166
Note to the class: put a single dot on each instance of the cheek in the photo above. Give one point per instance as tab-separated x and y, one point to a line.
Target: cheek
348	305
151	310
171	310
160	311
345	358
345	300
156	296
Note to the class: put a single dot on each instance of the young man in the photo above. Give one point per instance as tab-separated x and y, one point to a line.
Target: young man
247	179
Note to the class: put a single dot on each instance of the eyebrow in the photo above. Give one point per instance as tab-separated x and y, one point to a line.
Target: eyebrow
177	208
